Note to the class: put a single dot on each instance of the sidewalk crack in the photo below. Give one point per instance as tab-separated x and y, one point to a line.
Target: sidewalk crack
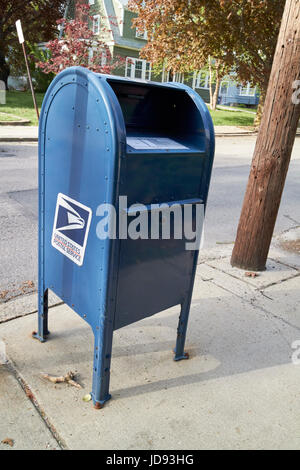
30	395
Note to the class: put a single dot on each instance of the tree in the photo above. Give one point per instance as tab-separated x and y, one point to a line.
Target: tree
273	148
39	24
240	34
79	46
217	70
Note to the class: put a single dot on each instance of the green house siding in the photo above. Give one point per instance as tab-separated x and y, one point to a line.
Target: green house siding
123	53
204	94
128	31
126	52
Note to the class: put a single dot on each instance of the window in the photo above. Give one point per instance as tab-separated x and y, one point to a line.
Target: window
138	68
202	80
247	90
91	2
178	77
96	24
93	54
224	87
141	34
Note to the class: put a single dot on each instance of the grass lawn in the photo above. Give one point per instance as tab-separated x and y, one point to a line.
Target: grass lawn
232	118
7	117
21	104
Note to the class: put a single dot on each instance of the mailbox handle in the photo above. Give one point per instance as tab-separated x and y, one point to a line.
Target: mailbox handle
166	205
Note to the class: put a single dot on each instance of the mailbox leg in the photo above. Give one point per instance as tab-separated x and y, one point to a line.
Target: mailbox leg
101	371
181	332
43	331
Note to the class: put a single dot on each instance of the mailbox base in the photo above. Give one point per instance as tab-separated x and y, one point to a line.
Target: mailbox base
185	356
99	404
42	339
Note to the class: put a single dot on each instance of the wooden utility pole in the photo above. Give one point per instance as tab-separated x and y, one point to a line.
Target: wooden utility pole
273	148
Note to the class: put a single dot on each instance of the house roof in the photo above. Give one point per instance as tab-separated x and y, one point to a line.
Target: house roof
124	3
116	32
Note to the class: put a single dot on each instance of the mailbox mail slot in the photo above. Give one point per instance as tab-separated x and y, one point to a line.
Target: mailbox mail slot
104	140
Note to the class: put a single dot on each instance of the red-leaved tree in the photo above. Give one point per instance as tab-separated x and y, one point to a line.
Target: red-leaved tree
80	46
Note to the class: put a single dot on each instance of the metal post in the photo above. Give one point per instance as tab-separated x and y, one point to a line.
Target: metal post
30	81
22	41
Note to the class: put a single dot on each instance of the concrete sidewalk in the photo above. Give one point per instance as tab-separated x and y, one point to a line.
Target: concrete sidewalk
30	133
239	390
18	133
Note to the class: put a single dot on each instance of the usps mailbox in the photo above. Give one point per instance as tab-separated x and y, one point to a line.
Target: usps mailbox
105	139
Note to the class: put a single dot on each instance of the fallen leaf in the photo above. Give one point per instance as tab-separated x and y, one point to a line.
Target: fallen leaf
3	294
29	284
253	275
8	441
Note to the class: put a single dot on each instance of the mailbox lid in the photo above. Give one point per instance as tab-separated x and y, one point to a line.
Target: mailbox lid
163	117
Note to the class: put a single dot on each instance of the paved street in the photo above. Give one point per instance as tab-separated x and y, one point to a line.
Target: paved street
18	206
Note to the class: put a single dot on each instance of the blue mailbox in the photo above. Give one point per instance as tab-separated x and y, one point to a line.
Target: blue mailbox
105	139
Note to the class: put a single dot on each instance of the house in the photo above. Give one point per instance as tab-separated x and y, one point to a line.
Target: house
112	20
115	19
231	92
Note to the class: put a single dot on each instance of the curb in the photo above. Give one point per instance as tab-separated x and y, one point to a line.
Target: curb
21	122
35	139
239	134
19	139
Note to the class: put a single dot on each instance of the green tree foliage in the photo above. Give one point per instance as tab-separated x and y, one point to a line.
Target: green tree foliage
39	24
240	34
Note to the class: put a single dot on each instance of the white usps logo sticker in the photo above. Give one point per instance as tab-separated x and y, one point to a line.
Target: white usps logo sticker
71	228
